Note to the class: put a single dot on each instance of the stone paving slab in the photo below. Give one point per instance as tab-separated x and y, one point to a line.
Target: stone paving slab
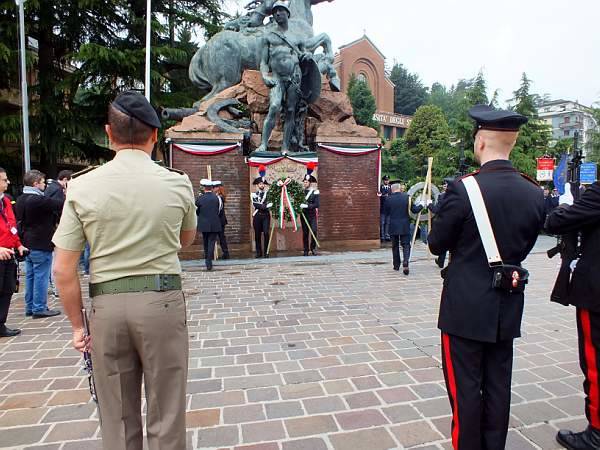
331	352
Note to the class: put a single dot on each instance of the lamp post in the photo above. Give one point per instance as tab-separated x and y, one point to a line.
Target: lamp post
24	96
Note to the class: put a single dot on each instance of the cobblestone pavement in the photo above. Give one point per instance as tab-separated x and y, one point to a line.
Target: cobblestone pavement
308	353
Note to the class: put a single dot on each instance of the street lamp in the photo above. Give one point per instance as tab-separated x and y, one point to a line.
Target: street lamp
24	96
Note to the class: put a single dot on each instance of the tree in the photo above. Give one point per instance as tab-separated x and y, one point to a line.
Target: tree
534	136
87	51
399	163
429	135
593	142
363	102
409	92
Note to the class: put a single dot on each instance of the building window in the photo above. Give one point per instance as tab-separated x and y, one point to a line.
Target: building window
387	132
400	132
567	133
362	77
567	119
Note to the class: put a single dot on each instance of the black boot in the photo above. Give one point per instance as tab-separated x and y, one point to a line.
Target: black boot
584	440
9	332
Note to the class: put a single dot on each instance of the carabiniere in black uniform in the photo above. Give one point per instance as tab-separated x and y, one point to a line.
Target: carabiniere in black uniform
309	209
479	322
584	294
261	220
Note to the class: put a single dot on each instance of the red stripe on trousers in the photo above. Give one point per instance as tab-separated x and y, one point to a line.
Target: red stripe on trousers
592	368
452	387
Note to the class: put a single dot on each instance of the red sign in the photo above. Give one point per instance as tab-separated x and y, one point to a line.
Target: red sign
545	169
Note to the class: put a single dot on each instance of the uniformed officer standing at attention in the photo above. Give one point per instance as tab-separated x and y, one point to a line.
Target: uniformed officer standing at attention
135	215
584	293
482	306
309	208
384	219
261	217
209	224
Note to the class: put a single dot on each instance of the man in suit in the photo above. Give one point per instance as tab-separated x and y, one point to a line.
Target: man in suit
584	293
208	206
478	321
397	207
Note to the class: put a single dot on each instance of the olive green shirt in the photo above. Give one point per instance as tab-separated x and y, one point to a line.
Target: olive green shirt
131	211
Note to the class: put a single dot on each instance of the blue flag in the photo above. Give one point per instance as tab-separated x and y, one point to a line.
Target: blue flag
560	175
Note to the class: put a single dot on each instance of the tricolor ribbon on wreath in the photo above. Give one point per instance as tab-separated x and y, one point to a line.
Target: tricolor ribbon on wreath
286	203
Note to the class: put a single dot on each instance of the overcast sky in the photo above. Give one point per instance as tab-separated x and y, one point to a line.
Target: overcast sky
556	42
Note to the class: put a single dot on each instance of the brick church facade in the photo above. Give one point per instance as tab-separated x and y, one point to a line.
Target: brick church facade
363	59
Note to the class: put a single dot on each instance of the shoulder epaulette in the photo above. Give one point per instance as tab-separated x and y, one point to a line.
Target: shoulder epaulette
469	175
171	169
84	171
528	178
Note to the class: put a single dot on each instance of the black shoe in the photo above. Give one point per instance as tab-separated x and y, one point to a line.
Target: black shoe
9	332
225	256
439	262
266	255
28	314
258	255
584	440
396	268
314	252
209	266
47	313
405	271
305	253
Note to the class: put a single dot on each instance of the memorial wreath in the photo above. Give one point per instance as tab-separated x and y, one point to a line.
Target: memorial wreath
286	195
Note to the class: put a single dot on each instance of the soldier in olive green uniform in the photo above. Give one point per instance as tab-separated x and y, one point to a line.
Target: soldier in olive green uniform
135	215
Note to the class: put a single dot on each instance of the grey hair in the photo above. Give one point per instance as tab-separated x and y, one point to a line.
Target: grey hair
396	187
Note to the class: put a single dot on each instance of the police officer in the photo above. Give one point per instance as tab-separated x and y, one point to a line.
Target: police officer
479	322
261	220
9	244
584	294
309	210
135	215
209	224
384	219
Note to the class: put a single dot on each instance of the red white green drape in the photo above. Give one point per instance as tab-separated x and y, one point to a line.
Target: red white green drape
205	149
255	161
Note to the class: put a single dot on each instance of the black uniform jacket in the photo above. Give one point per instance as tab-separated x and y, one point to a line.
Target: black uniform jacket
435	207
259	201
583	215
311	198
470	307
385	190
207	209
396	206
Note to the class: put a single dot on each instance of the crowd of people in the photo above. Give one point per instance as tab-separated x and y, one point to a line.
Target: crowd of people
138	315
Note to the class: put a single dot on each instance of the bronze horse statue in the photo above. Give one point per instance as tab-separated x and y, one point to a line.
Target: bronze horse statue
219	64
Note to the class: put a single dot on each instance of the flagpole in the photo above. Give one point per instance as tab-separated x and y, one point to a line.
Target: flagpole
24	96
148	34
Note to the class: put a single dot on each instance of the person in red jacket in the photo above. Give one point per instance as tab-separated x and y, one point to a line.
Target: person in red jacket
9	244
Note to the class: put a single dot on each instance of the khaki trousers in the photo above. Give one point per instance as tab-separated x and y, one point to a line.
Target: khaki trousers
135	334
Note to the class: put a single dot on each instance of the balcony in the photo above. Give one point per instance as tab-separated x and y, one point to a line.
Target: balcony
571	125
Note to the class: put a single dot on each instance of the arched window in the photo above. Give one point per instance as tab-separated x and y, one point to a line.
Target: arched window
362	77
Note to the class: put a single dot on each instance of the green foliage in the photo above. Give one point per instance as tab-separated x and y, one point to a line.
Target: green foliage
88	51
428	132
409	92
534	137
363	102
398	163
295	192
593	143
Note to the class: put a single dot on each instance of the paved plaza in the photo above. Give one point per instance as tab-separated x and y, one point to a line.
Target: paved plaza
330	352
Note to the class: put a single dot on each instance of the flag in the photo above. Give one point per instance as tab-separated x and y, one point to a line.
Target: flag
560	175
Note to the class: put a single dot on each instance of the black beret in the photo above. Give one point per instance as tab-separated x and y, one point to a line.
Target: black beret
488	118
135	105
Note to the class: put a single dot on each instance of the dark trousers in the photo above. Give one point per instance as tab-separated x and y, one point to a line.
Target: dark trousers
8	285
209	241
403	239
384	226
588	329
261	224
223	242
307	241
478	376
